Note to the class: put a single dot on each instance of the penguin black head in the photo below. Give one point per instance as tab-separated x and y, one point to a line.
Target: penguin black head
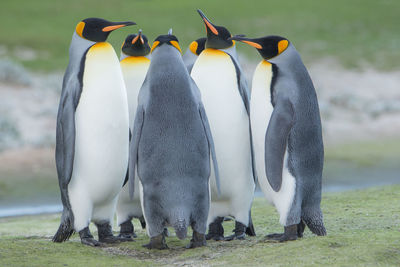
136	45
198	46
218	37
168	39
97	30
268	46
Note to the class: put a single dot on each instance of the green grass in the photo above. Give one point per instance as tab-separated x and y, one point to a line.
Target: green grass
363	230
356	32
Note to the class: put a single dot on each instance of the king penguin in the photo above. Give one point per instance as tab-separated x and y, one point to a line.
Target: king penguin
287	136
193	51
92	135
134	65
226	99
171	147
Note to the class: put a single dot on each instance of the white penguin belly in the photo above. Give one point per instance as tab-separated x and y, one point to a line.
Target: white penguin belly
215	75
101	134
260	113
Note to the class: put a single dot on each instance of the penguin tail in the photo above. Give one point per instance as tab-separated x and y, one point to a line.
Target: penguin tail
314	221
66	229
250	231
180	228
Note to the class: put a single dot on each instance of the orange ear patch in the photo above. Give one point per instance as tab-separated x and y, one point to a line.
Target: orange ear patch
111	28
176	45
282	45
253	44
79	28
193	47
154	46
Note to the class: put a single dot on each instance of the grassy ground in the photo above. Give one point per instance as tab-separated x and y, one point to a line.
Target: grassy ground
363	230
355	32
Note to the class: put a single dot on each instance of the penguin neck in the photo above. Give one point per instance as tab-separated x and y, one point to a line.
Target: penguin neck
168	75
287	59
77	50
123	56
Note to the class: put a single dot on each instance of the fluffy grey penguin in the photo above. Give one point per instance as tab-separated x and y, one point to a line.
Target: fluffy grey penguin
171	146
193	51
226	99
92	138
134	65
287	136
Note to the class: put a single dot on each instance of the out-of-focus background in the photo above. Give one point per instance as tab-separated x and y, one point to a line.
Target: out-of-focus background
351	49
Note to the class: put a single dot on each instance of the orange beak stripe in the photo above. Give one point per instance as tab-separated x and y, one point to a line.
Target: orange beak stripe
253	44
210	26
135	39
111	28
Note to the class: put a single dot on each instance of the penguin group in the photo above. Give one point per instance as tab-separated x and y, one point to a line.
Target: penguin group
180	140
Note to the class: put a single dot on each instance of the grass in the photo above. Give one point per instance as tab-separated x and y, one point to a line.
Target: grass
357	32
363	230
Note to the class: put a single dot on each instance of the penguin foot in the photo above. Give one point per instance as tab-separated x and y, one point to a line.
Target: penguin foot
290	234
198	240
239	232
106	236
87	238
127	231
157	242
300	229
216	230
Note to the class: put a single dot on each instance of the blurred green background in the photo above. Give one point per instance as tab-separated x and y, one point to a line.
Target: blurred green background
356	32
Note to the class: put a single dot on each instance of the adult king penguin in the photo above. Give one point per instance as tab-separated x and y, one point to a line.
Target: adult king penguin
171	145
92	136
134	65
194	50
287	136
226	99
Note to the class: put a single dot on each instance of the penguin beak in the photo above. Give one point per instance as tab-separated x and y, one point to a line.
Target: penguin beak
245	40
139	36
117	25
207	22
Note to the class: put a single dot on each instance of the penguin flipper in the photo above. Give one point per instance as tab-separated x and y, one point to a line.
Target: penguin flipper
276	139
134	147
210	140
65	141
127	169
245	94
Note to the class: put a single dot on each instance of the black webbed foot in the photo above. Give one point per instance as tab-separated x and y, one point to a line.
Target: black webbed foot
87	238
198	240
216	230
239	232
127	231
290	234
157	242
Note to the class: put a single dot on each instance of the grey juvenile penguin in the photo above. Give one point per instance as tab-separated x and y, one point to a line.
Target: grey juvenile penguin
171	145
92	133
287	136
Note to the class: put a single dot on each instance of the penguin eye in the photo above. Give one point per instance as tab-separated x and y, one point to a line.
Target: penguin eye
176	45
282	45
